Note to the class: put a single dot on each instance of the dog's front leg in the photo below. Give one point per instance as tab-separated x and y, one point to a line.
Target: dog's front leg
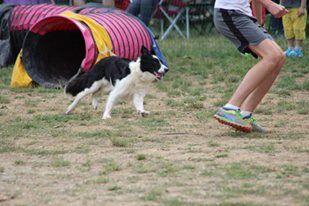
118	91
138	101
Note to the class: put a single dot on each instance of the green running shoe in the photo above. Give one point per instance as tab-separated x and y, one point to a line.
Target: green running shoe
255	126
233	118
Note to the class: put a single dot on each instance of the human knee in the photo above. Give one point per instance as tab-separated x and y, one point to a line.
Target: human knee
282	60
277	59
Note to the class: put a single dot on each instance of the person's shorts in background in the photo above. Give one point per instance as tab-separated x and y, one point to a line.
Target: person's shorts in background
239	28
294	25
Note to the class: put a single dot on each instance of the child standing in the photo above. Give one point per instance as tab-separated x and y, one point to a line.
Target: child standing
233	18
294	24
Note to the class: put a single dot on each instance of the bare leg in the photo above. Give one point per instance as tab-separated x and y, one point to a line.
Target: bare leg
298	43
291	43
265	70
257	95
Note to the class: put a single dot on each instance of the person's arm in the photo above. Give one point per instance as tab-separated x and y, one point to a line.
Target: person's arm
275	9
257	10
302	7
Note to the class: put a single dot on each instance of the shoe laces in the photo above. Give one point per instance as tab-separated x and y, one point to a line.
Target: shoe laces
250	119
238	114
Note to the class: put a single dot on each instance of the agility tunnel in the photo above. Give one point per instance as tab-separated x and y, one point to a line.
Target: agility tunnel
58	40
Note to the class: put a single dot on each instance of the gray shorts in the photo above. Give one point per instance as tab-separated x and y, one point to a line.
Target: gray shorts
241	29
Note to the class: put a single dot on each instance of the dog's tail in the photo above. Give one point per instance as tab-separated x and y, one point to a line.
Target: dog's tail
71	86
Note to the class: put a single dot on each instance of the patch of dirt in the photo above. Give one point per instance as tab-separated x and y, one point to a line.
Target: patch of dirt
187	160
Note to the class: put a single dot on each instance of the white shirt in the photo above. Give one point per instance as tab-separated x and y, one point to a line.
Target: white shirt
240	5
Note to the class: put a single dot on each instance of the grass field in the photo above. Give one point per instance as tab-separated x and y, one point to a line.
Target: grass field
178	155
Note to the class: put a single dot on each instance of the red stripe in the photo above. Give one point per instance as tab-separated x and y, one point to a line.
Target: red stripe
37	16
122	34
132	46
30	17
111	32
24	17
133	43
19	17
135	29
142	31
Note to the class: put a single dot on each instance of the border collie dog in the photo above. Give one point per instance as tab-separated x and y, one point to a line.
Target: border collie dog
120	78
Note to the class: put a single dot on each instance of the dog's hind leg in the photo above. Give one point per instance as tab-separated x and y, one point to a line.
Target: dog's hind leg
95	102
138	101
94	88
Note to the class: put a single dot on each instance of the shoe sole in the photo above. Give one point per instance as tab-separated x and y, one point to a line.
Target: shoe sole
239	127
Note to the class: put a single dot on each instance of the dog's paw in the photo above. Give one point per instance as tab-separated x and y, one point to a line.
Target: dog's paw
95	104
143	113
106	116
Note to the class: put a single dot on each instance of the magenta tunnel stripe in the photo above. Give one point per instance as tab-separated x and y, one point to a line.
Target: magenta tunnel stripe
132	36
121	34
127	33
137	41
144	34
111	31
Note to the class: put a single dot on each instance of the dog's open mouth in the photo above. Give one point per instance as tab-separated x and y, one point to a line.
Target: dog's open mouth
158	75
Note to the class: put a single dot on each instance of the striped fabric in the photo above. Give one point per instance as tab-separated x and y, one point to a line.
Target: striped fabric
25	16
127	33
26	2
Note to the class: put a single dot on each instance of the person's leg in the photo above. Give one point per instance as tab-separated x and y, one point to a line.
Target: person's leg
272	59
291	43
298	42
248	36
147	9
299	48
300	34
257	95
287	21
134	7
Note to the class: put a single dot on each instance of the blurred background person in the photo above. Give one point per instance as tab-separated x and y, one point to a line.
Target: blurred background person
143	9
275	24
294	25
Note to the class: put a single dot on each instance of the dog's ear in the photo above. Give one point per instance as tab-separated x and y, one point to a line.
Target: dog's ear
144	51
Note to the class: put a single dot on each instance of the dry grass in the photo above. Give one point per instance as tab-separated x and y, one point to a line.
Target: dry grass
176	156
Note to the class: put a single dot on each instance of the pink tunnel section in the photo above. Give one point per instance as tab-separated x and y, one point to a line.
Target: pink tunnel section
56	46
25	16
127	33
61	23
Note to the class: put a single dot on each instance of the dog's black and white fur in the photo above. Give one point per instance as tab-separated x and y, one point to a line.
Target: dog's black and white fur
119	77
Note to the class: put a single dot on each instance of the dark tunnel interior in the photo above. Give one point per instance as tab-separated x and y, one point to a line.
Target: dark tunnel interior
52	59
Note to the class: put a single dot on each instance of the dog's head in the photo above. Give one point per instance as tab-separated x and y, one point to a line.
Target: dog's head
149	62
